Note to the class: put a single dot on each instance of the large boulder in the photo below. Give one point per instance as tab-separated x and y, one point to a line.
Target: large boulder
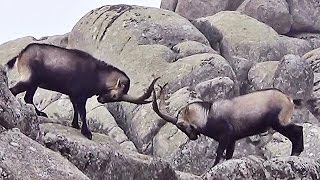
294	46
294	76
246	37
305	14
199	8
274	13
217	88
23	158
102	158
261	75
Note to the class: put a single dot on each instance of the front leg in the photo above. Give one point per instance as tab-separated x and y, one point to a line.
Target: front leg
230	149
81	105
75	122
223	144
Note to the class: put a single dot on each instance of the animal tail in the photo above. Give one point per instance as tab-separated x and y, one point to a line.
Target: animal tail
11	63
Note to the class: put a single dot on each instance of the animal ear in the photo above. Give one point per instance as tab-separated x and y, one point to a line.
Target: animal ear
118	83
187	109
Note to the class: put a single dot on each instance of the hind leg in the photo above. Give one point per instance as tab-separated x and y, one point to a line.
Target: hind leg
28	98
20	87
295	135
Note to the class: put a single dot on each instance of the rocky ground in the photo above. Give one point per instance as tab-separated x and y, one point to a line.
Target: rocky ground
207	50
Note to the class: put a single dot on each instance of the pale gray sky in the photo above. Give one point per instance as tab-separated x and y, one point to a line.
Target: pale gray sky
39	18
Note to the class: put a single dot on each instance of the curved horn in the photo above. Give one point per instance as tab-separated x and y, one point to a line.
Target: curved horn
141	99
156	109
191	133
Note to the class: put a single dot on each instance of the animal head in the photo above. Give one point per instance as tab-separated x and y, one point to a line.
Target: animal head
116	86
181	121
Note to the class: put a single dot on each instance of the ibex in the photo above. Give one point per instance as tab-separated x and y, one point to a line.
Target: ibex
229	120
74	73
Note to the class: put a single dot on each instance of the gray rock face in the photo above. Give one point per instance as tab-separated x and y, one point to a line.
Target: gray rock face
23	158
14	114
294	45
102	158
312	38
261	75
295	77
245	37
217	88
274	13
254	168
199	8
313	57
305	14
245	168
209	67
189	48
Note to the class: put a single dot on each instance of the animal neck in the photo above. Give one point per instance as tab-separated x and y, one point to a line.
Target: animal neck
200	114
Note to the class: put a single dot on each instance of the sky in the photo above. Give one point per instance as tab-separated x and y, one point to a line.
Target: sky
40	18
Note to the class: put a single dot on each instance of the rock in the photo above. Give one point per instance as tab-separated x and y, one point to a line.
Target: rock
305	15
245	168
312	38
143	127
294	76
291	168
168	140
294	45
313	104
23	158
187	176
246	37
199	8
261	75
211	32
274	13
207	66
254	168
58	40
217	88
102	158
241	67
313	57
14	114
195	156
169	4
189	48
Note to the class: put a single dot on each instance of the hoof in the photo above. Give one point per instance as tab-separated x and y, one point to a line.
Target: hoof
76	126
87	134
295	154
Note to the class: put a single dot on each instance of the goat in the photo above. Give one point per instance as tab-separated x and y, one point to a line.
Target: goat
229	120
74	73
